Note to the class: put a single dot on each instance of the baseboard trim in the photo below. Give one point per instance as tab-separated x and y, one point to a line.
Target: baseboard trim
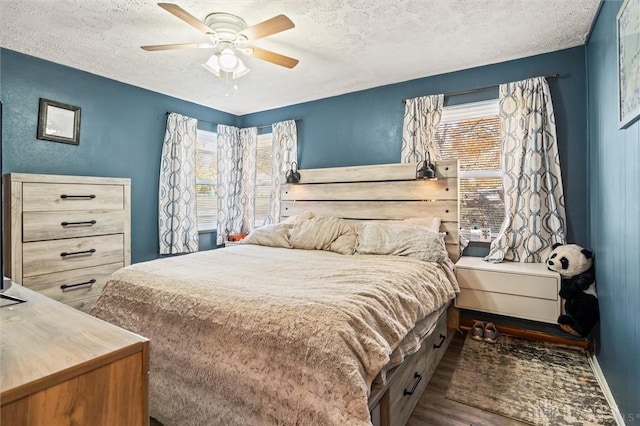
602	381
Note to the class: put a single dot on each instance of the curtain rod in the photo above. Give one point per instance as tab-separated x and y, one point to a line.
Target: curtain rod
264	126
297	120
480	89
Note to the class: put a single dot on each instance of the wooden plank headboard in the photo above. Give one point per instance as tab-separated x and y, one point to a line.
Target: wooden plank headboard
387	191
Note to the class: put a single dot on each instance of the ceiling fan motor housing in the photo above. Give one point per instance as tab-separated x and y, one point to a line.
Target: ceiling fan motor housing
225	25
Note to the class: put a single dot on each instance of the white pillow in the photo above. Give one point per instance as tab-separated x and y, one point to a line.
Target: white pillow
270	236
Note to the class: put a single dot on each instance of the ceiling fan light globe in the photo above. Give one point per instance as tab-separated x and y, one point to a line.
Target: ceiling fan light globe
240	70
228	61
212	65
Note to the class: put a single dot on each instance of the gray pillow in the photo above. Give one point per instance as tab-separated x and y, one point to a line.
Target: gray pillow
324	233
401	239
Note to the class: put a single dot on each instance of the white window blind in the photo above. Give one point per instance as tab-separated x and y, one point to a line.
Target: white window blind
471	133
263	178
207	180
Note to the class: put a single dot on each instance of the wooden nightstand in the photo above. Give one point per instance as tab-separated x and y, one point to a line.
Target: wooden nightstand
520	290
60	366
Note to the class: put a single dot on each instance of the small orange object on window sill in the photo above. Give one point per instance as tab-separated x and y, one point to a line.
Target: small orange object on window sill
236	237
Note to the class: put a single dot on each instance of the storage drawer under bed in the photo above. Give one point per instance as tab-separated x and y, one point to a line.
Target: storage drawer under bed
407	387
436	345
410	379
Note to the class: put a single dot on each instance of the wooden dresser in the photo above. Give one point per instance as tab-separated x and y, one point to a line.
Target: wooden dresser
59	366
65	235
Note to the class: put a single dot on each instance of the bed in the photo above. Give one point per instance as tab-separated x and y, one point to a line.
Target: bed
254	335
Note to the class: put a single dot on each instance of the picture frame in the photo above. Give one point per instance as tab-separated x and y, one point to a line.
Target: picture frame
628	48
58	122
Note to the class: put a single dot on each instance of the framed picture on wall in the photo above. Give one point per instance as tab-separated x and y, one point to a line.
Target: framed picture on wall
628	30
59	122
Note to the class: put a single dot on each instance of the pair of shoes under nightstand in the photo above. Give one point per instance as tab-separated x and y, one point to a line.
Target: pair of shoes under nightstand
484	332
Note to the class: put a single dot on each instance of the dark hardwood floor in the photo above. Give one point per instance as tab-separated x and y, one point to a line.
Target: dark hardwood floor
435	410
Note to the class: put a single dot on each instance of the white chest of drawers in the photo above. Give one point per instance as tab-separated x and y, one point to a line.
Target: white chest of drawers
520	290
65	235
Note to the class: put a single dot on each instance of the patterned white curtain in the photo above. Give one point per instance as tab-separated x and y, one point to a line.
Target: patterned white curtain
229	181
285	151
533	195
249	146
421	118
237	152
177	220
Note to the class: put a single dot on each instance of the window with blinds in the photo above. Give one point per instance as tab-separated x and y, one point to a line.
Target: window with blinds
263	178
206	180
471	133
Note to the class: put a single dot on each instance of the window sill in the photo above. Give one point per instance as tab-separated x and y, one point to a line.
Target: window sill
479	243
207	231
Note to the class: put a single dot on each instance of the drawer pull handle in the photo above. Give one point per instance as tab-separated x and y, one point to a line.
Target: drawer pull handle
418	377
76	197
442	338
73	253
64	287
85	223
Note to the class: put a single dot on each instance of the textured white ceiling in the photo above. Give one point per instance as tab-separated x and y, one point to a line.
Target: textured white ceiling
342	45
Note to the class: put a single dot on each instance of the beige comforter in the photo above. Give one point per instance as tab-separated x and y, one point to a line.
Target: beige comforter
252	335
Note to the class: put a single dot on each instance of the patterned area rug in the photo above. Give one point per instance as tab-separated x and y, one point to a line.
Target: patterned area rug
534	382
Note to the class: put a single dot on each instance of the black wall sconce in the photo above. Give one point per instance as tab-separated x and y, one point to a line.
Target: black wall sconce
425	168
293	176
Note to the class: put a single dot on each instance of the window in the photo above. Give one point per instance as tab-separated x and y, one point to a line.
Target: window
263	178
471	133
207	180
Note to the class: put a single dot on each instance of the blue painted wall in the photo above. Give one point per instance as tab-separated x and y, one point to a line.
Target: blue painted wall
122	127
614	189
366	127
121	134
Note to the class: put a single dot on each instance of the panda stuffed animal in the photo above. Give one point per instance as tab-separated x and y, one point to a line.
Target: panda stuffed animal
578	288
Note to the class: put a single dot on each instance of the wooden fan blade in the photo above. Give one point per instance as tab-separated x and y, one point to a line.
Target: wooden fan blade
274	58
179	12
156	47
270	26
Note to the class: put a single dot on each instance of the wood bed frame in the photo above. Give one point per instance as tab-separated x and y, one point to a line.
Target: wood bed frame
388	192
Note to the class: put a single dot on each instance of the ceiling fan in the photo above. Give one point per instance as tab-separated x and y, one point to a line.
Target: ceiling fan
229	34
